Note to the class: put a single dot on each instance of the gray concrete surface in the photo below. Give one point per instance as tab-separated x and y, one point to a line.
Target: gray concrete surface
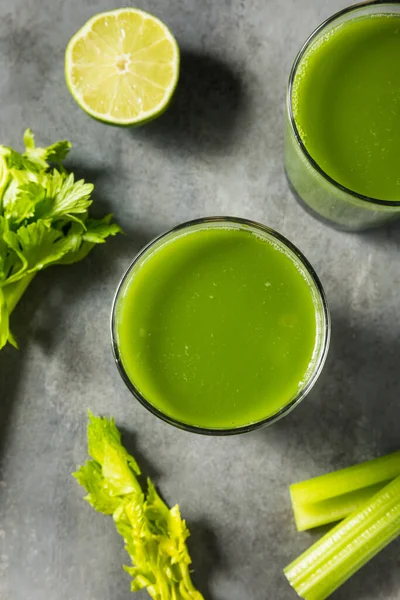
217	151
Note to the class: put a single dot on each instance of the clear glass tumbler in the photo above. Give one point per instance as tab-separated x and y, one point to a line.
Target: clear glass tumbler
301	263
316	191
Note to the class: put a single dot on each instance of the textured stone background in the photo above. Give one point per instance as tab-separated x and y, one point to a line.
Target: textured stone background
217	151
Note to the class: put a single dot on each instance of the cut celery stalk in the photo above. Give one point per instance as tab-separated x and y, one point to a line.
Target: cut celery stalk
318	572
347	480
308	516
333	496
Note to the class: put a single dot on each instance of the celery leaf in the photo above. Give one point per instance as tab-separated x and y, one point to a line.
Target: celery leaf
44	218
155	536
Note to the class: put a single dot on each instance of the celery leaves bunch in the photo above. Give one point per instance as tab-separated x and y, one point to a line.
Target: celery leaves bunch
44	220
155	535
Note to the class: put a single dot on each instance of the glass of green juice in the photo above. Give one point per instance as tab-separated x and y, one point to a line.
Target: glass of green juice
342	142
220	326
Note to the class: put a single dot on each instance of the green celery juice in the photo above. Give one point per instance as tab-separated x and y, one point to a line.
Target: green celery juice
217	327
346	104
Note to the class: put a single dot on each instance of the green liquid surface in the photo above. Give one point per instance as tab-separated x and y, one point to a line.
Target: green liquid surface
346	104
217	328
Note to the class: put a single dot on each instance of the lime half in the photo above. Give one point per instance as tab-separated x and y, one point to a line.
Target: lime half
122	67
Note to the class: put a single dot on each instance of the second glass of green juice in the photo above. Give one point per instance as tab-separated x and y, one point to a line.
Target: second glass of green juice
343	118
220	326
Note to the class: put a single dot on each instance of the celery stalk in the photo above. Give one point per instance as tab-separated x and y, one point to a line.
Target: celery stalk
347	547
308	516
13	292
333	496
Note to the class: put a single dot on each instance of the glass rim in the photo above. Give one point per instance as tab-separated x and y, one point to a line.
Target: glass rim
289	106
324	333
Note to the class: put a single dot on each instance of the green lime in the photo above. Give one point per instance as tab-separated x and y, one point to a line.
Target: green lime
122	67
